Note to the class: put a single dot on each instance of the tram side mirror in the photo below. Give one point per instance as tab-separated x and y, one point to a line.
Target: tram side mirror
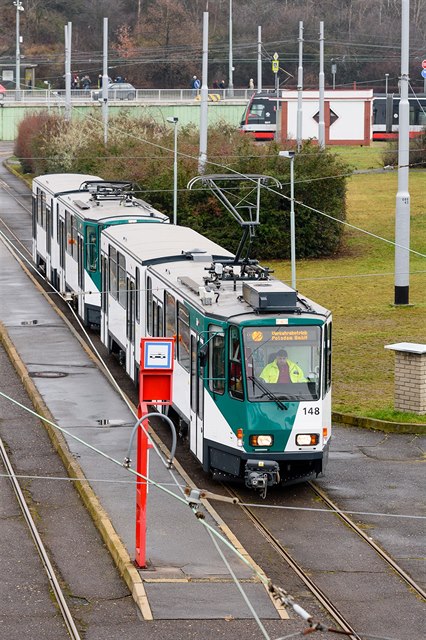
202	355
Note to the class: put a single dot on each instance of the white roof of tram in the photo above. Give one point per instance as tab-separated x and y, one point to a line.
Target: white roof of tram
60	182
154	243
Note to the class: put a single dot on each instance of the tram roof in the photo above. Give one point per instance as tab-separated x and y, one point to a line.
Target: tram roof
149	245
230	302
103	209
62	182
180	255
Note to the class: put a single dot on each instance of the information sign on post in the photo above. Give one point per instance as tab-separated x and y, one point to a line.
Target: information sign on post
155	387
156	370
424	64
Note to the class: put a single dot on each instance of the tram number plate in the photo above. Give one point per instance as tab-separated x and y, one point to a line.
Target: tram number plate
312	411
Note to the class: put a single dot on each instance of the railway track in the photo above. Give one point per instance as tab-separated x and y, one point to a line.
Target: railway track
279	549
278	546
53	580
386	557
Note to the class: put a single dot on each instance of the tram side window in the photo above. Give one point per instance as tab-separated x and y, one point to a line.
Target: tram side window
41	214
73	236
235	384
68	230
183	342
149	305
113	272
34	216
71	233
58	235
170	314
217	361
121	279
91	249
138	293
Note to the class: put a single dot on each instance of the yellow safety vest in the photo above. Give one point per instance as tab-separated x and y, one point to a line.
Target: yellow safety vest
271	372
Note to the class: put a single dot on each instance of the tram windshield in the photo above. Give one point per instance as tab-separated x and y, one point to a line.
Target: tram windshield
282	363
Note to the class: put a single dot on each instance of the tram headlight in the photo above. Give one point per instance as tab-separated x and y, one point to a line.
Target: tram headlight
261	440
307	439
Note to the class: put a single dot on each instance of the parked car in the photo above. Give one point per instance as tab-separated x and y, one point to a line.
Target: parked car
117	91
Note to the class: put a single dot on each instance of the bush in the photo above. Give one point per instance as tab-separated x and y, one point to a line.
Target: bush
27	144
417	152
141	151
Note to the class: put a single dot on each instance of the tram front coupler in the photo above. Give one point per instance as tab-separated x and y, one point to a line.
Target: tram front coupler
261	474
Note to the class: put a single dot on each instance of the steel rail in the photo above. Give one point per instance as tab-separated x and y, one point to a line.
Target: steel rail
9	190
60	598
310	584
395	566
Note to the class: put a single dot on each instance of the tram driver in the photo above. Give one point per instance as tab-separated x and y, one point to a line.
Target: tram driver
282	370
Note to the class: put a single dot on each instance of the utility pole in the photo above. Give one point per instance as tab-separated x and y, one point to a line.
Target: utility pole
300	89
259	59
202	159
68	36
231	61
402	215
321	123
19	8
105	83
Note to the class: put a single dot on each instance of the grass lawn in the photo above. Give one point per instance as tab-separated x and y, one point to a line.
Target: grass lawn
358	287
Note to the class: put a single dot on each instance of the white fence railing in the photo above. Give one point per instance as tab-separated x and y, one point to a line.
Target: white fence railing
139	95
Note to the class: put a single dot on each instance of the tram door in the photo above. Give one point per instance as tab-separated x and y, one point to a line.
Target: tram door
62	243
80	275
130	326
48	240
196	428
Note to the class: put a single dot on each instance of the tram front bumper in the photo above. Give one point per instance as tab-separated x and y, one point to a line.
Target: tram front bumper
260	474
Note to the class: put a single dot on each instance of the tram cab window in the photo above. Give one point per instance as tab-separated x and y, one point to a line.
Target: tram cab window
235	384
216	361
284	361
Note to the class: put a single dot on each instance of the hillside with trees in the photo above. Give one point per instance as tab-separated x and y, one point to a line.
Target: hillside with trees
158	43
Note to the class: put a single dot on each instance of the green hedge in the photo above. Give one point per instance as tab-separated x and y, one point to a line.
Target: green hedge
142	151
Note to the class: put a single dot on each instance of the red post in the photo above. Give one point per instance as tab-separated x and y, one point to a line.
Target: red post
141	487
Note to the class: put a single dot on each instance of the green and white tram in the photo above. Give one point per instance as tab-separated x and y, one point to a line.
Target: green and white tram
69	213
245	416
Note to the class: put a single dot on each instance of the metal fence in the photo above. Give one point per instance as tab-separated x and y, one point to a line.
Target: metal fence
46	96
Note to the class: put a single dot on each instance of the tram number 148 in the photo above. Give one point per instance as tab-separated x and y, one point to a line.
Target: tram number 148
311	411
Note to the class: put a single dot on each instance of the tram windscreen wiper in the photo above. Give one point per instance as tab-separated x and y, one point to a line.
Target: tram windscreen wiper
267	393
